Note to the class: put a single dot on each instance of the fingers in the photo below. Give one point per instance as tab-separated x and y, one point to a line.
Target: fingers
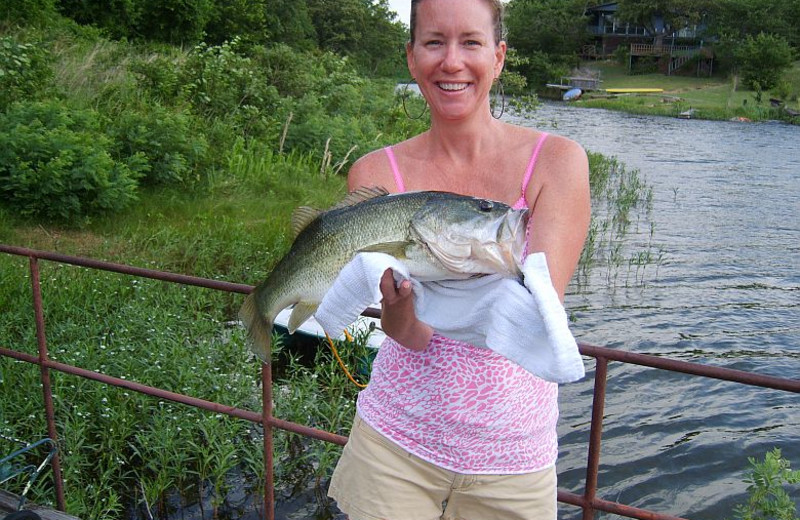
398	319
404	291
392	292
387	286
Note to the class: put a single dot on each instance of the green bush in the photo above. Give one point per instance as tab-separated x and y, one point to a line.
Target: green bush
169	142
290	71
542	68
24	71
218	80
158	76
763	60
622	55
118	19
56	163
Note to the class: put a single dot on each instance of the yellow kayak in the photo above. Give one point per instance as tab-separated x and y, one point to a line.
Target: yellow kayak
634	90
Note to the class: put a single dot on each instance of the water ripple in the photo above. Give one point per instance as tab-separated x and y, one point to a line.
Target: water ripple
724	215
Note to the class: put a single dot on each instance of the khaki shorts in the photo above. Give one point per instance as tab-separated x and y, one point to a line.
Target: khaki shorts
377	480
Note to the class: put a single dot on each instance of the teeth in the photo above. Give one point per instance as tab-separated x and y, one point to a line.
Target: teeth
452	86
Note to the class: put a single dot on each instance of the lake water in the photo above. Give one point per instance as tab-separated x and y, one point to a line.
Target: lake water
726	292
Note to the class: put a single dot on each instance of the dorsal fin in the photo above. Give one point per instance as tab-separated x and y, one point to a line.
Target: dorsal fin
302	217
360	195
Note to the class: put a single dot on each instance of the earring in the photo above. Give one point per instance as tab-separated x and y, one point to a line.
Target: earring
406	94
502	93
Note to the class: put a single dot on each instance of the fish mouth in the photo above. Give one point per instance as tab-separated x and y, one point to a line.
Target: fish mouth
511	242
502	250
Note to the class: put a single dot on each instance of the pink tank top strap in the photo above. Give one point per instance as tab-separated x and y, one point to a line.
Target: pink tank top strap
398	178
522	202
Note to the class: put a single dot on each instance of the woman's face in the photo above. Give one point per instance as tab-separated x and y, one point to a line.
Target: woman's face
454	57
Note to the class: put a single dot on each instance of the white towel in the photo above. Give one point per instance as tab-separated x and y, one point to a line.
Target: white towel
526	324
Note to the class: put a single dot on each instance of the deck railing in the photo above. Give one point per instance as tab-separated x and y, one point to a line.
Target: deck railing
648	49
588	501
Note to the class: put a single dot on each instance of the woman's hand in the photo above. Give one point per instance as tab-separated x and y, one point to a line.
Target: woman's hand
398	319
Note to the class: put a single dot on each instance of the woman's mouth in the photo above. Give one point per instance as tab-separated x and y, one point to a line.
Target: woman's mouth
452	87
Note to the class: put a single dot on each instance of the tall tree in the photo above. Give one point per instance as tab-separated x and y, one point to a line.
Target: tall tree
548	34
383	52
289	22
364	29
739	18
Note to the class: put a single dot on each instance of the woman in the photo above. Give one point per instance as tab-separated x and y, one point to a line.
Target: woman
445	429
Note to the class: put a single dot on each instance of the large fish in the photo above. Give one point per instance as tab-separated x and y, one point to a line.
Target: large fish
438	235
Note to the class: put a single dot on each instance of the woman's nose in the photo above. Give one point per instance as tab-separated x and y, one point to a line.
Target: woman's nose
452	59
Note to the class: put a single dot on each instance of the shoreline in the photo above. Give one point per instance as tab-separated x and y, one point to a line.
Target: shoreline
687	97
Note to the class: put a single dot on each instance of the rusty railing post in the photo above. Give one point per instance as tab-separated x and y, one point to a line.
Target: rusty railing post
266	422
595	436
49	409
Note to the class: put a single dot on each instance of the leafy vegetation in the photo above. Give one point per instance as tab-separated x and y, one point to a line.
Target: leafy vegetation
24	71
768	498
549	33
90	121
763	59
56	164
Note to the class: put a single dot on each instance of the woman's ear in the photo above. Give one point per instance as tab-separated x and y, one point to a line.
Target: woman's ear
500	58
410	58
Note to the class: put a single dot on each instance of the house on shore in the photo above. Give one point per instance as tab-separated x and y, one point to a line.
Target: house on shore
658	48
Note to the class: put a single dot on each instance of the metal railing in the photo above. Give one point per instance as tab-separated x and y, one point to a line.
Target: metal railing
589	502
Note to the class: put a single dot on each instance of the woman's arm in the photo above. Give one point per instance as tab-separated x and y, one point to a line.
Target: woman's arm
561	211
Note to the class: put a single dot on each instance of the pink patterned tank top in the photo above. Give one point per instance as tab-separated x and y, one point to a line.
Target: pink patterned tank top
464	408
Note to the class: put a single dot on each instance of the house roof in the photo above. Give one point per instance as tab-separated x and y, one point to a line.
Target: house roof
610	7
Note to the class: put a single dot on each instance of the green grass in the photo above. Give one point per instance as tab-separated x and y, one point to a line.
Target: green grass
712	98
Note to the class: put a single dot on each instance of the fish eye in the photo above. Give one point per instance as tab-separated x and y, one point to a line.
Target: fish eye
486	205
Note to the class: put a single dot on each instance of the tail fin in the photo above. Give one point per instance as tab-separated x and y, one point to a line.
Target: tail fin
259	329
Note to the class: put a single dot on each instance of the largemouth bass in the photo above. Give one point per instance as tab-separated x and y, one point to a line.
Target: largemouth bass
438	235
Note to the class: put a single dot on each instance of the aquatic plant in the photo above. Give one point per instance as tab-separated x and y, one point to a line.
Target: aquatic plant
622	202
768	498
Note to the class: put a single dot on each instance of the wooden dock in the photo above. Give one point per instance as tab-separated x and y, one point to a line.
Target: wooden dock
10	501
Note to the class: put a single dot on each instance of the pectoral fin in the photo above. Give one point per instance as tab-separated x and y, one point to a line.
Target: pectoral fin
301	312
395	249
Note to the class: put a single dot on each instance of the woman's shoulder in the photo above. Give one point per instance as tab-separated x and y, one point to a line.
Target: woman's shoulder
372	169
376	169
557	151
530	137
563	166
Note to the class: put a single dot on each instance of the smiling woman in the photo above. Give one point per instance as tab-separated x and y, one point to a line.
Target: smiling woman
438	411
455	60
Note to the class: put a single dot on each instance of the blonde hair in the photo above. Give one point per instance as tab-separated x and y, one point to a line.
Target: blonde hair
497	18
